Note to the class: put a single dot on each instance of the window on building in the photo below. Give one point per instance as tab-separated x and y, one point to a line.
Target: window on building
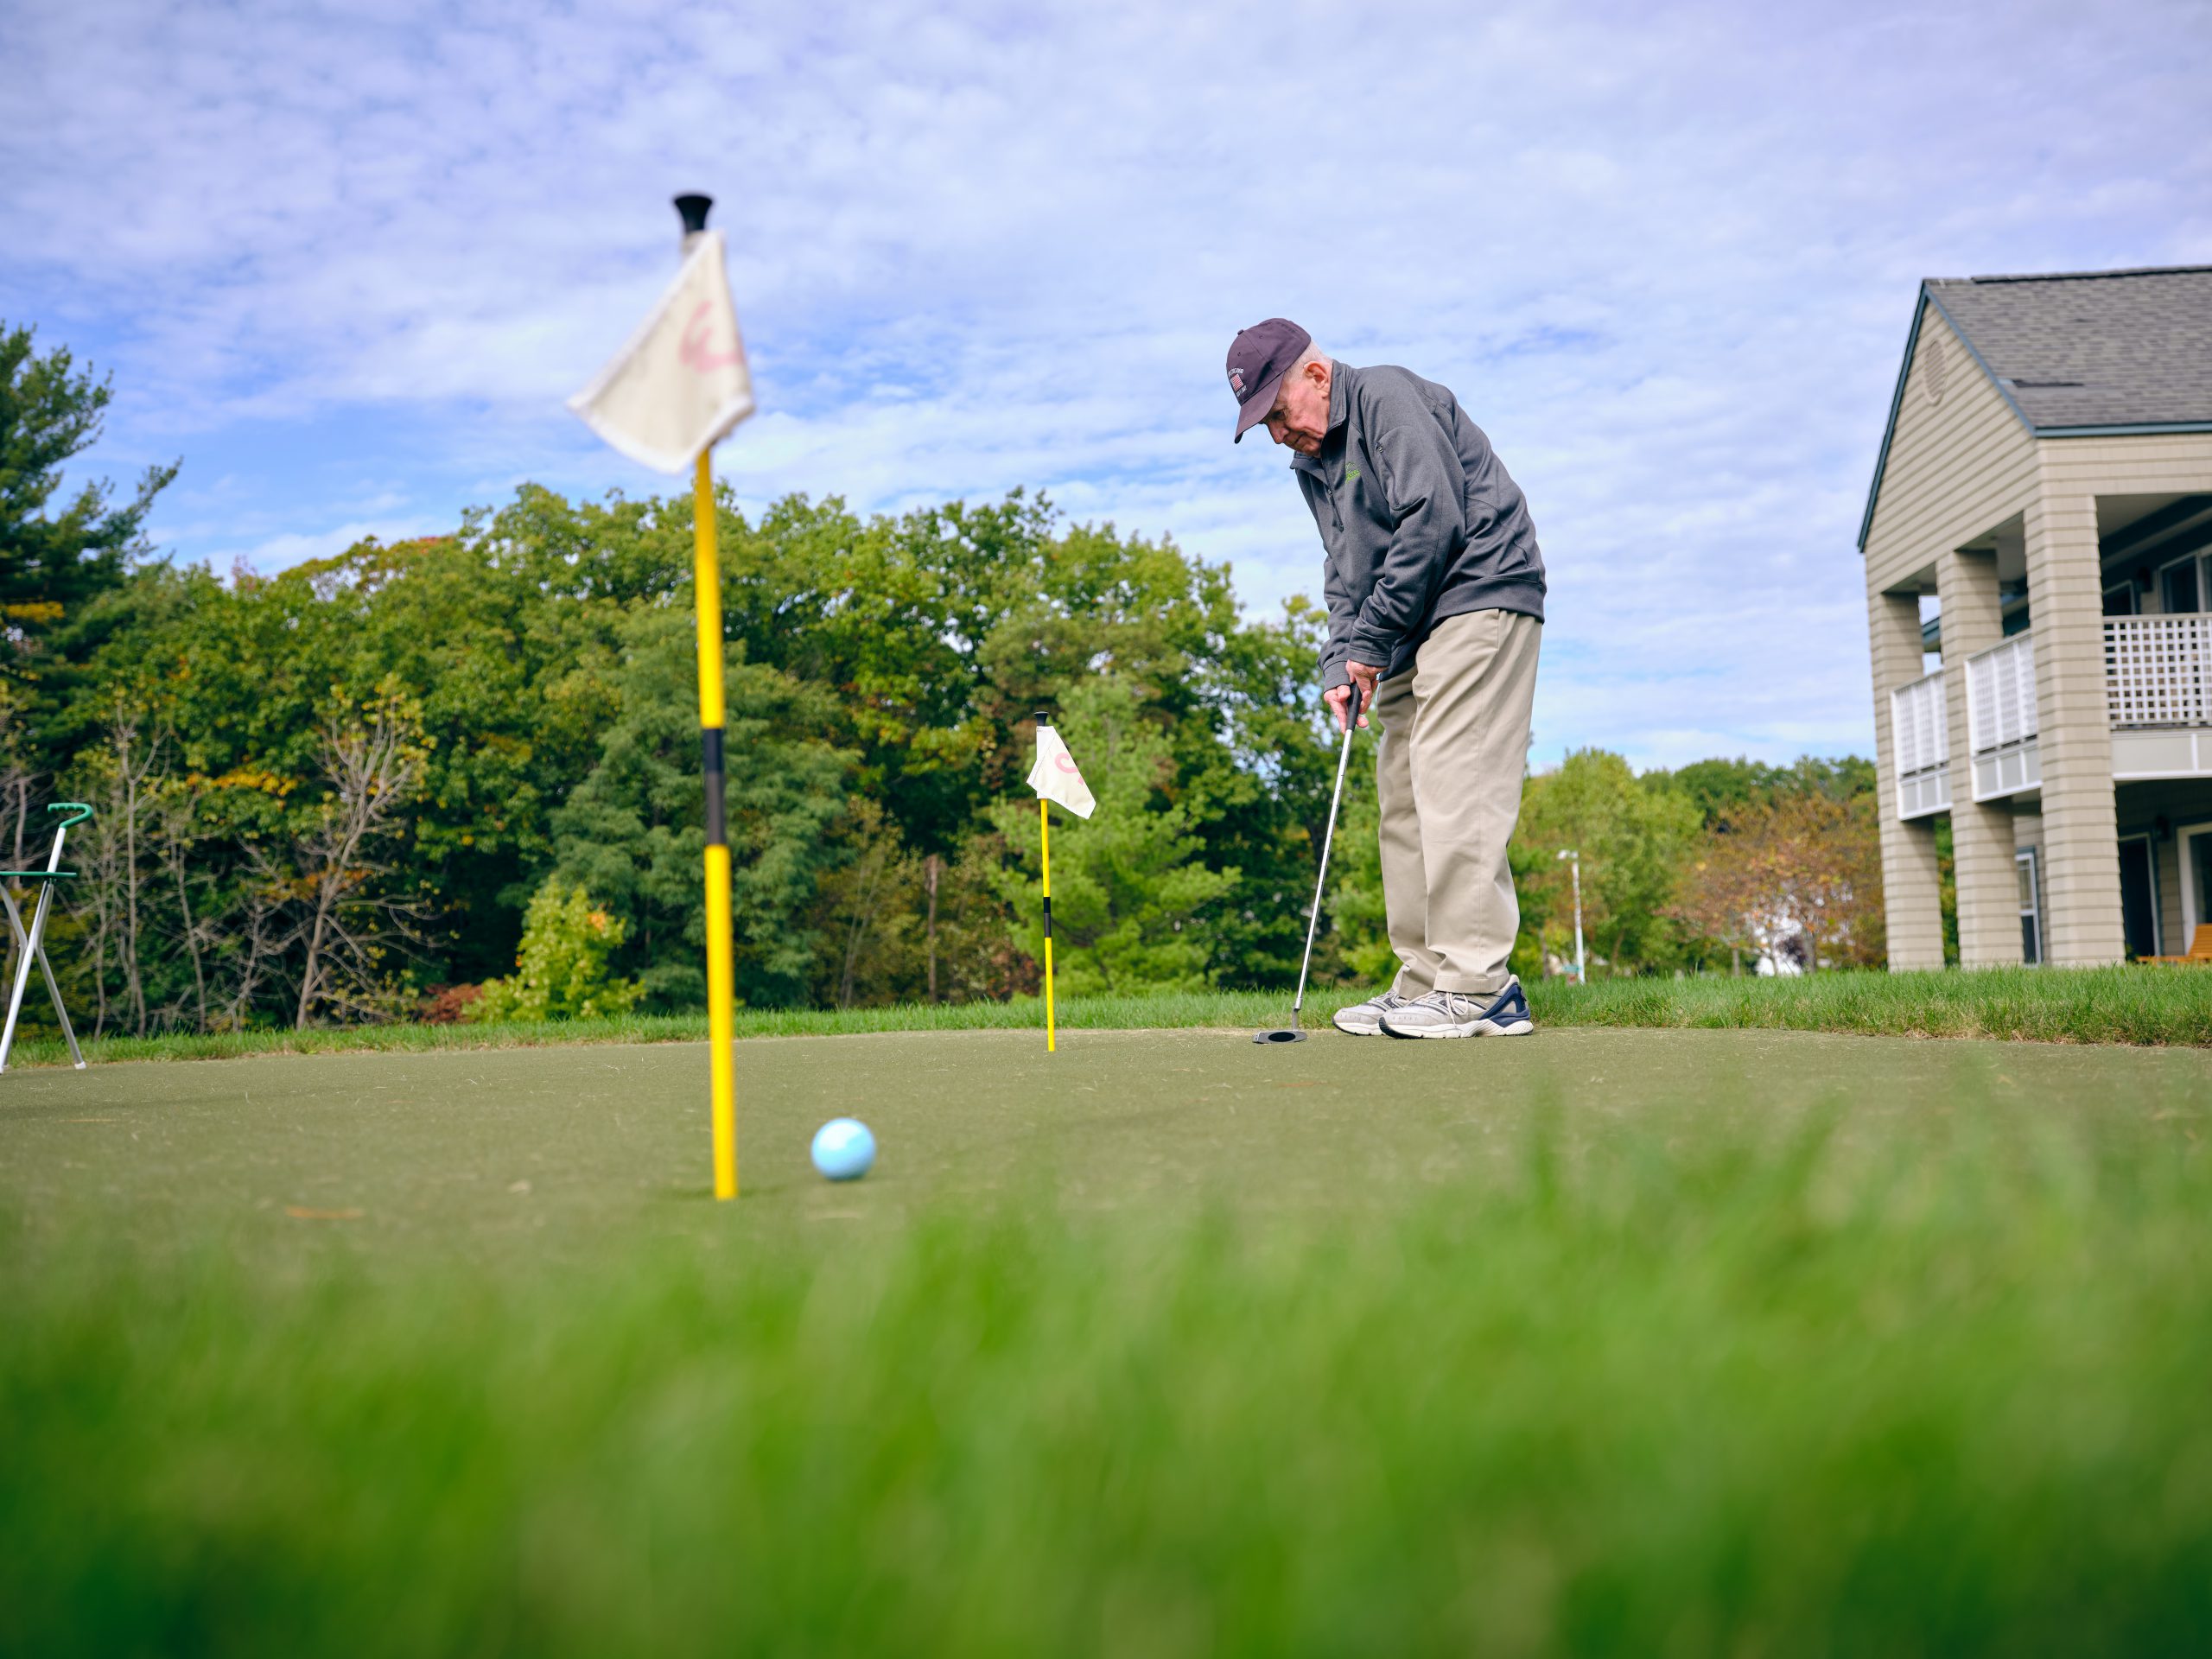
2138	896
2031	912
2120	600
2181	585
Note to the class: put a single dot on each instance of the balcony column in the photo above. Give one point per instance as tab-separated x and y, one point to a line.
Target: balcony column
2080	858
1912	898
1983	843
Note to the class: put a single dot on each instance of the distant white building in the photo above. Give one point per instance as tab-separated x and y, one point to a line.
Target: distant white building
2046	474
1783	950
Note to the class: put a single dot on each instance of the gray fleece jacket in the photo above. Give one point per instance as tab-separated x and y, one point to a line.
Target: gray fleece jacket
1418	516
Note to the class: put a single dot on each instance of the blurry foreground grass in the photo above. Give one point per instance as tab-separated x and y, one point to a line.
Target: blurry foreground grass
1722	1373
2158	1006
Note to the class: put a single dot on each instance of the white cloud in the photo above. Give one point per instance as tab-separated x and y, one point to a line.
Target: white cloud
1665	258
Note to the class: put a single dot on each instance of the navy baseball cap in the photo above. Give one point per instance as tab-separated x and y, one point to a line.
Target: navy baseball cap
1258	360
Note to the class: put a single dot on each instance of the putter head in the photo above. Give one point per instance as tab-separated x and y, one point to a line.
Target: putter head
1282	1034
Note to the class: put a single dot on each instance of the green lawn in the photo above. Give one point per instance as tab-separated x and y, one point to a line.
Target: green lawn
2158	1006
1619	1341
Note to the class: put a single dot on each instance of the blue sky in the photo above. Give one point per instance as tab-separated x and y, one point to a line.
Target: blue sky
347	265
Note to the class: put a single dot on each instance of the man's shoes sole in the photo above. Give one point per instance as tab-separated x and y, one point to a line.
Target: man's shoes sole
1473	1028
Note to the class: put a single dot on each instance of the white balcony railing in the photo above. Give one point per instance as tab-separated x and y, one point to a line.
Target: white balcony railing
2001	718
2157	697
2159	670
1920	743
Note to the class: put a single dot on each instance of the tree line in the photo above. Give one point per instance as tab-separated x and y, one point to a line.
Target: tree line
334	794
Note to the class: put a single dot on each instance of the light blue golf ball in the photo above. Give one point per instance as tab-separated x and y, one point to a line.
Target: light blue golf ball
843	1149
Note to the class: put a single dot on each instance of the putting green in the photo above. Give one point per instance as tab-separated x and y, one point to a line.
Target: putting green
549	1148
1612	1341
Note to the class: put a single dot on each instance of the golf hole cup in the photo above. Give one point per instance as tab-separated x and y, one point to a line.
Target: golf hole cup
843	1149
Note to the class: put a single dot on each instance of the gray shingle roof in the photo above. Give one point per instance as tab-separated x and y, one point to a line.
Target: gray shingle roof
2082	351
2109	349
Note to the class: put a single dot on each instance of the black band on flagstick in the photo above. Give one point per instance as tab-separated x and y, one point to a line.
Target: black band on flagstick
710	746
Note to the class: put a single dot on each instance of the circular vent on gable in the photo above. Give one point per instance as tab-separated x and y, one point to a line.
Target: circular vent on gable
1935	370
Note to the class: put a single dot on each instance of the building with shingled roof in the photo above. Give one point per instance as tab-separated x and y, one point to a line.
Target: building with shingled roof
2037	543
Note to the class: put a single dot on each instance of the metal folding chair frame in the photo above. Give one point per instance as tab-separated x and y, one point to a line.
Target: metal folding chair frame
31	944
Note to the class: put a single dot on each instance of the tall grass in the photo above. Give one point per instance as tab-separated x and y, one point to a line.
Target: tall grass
2159	1006
2142	1005
1710	1389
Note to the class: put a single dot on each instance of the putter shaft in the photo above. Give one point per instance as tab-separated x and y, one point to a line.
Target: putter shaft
1328	839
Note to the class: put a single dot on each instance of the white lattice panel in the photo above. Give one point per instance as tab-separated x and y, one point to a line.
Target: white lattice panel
2001	694
1920	745
2001	718
2159	670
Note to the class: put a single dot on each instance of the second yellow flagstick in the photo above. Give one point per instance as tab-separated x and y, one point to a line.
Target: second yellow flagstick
1055	778
1044	834
722	980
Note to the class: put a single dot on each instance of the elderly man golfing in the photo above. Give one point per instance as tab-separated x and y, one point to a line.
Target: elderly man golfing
1436	600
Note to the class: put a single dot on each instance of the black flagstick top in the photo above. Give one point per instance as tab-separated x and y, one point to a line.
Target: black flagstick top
1044	718
694	209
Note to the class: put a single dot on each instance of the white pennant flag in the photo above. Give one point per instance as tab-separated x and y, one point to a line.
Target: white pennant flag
681	383
1055	777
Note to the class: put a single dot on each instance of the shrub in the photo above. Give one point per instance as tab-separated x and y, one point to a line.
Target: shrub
560	970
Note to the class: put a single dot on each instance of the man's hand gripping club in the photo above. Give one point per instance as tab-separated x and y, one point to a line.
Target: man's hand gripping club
1363	675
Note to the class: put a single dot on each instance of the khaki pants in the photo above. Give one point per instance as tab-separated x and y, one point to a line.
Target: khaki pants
1455	742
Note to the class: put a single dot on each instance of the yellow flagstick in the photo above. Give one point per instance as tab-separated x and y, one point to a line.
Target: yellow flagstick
721	977
721	984
1045	831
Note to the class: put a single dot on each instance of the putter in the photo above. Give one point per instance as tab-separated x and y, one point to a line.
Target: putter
1291	1033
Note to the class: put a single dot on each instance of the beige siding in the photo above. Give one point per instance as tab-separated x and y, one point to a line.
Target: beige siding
2158	464
1957	468
1911	885
2080	865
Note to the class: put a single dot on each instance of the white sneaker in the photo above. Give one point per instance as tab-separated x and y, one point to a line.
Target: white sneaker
1365	1019
1454	1013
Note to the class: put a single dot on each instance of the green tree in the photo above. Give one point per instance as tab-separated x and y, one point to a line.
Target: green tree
55	554
633	830
1633	837
1129	887
1718	789
1721	788
1260	756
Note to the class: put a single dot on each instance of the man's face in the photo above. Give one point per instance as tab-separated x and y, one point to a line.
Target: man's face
1301	416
